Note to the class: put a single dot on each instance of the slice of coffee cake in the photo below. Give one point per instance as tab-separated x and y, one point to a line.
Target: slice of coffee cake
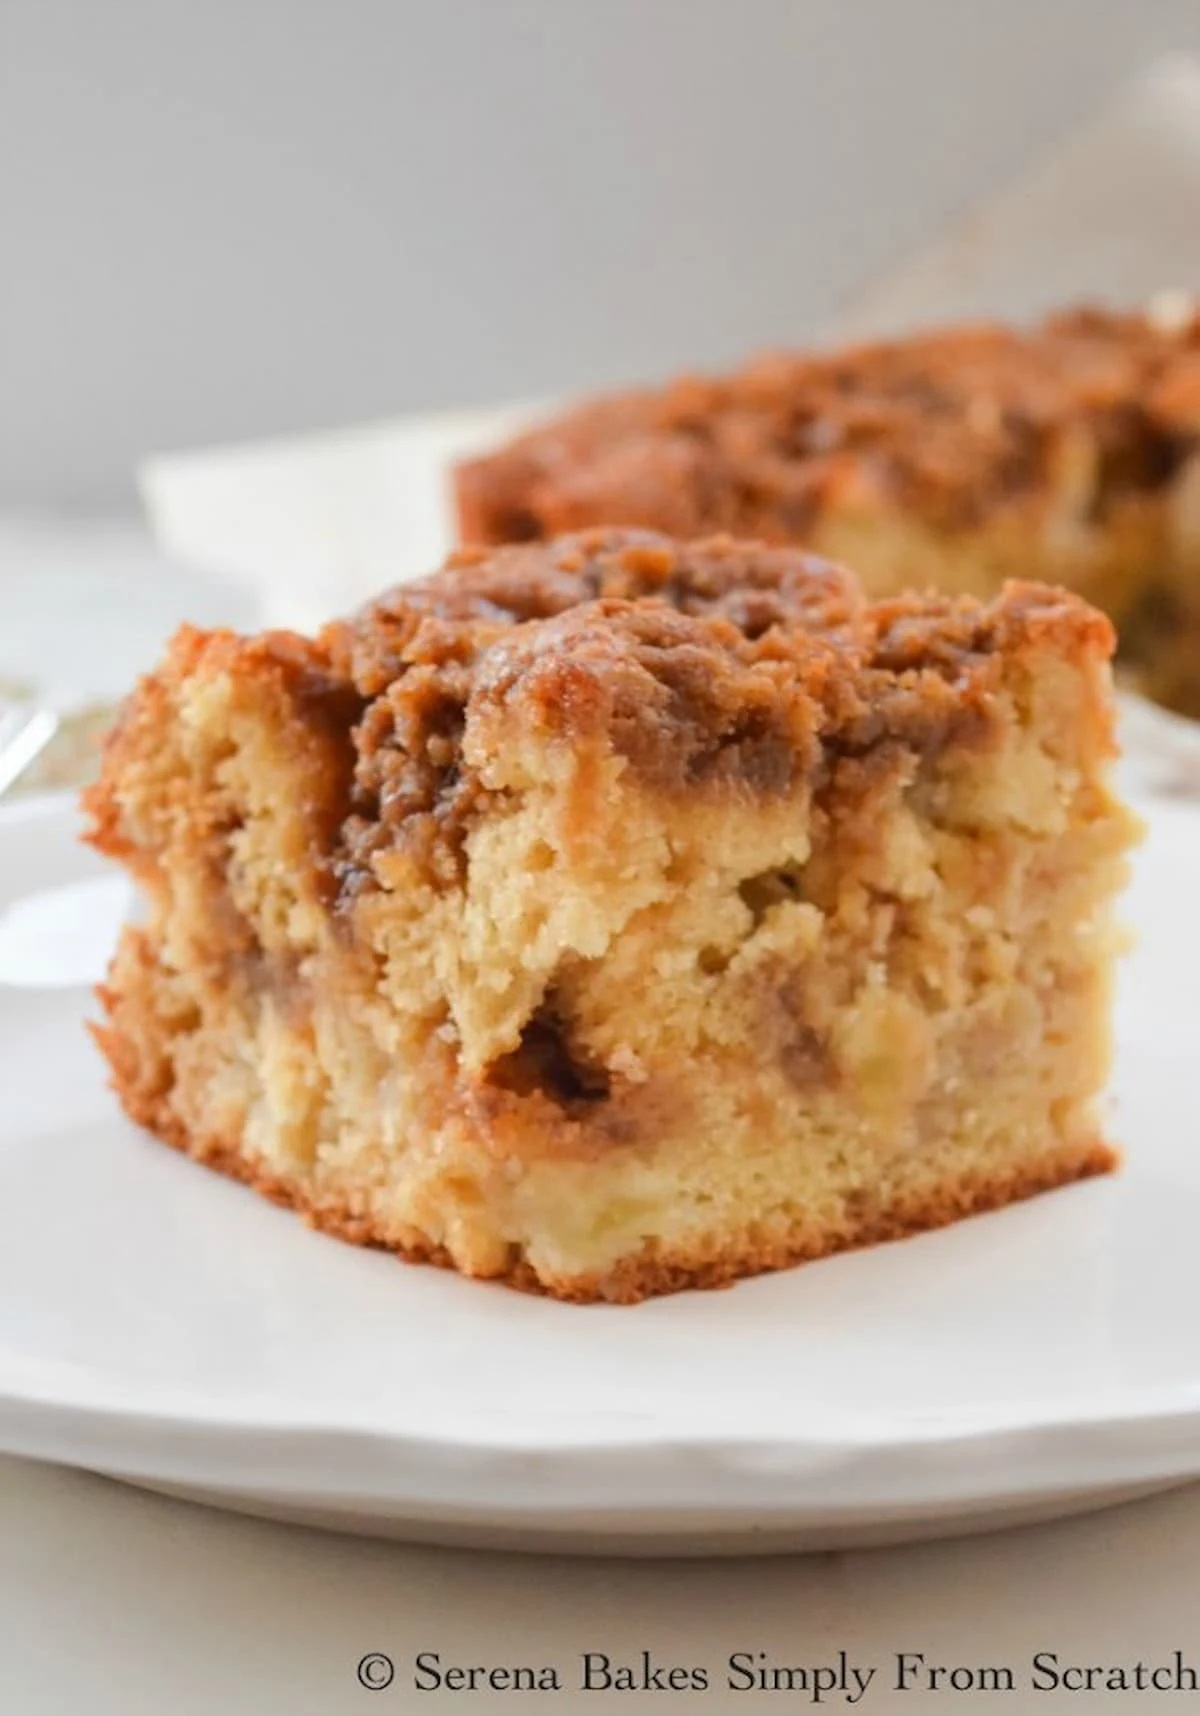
613	916
958	458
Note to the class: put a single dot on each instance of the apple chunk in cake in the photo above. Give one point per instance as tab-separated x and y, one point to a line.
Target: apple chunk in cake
614	916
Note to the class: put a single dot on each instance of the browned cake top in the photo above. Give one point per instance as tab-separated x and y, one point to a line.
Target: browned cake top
952	423
703	663
712	666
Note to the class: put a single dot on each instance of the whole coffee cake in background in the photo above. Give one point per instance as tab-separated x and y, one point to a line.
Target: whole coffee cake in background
613	916
956	459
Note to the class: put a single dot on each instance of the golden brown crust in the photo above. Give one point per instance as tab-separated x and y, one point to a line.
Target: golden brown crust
316	709
651	1272
952	424
707	666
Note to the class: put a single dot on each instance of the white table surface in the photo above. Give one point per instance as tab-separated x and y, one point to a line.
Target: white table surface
116	1603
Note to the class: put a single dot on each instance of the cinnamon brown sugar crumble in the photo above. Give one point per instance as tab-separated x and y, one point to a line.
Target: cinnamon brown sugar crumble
612	915
1068	452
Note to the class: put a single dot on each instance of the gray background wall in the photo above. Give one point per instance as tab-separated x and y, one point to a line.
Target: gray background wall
239	217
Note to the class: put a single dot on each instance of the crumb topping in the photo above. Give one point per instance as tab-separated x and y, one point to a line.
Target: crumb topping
707	665
712	667
951	423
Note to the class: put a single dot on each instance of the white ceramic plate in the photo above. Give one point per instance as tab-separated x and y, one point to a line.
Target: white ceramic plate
164	1325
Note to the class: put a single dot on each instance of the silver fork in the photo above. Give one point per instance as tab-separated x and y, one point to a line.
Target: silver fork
24	734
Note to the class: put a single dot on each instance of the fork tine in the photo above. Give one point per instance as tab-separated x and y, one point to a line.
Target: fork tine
24	735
